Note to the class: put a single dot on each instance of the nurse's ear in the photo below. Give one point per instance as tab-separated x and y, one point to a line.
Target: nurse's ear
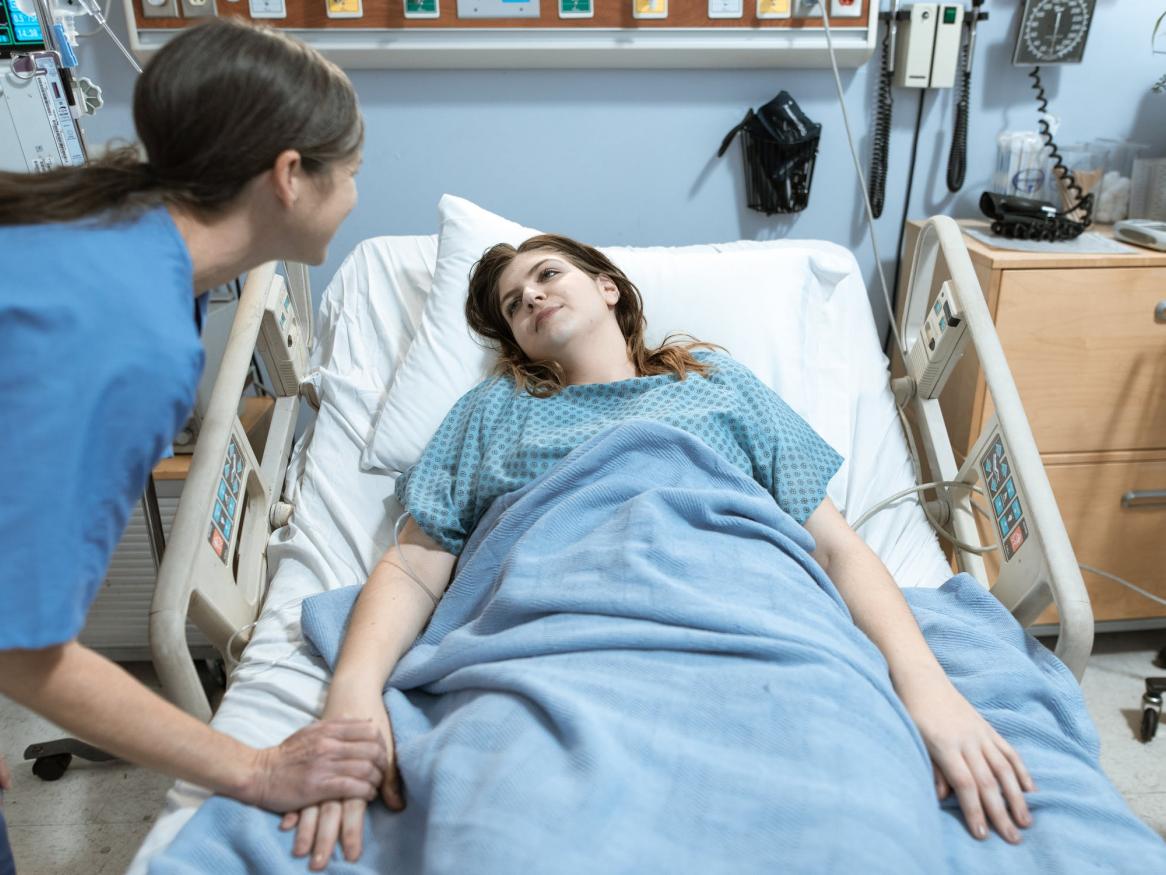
287	177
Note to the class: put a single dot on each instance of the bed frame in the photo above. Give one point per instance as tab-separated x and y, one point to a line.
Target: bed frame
220	585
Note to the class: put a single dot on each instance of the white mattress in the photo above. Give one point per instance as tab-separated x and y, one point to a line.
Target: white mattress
343	516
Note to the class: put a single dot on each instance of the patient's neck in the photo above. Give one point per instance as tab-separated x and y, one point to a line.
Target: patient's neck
602	358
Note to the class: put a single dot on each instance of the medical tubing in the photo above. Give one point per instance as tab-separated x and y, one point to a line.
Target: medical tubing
935	524
957	158
907	207
862	185
881	139
903	493
1060	171
408	569
93	9
1122	581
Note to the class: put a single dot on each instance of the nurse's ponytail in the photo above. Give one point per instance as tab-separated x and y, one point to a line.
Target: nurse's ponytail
213	109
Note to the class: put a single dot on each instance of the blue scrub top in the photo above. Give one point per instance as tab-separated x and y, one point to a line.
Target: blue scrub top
99	362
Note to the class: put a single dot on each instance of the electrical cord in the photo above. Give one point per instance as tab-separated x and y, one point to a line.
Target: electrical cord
1084	202
935	524
906	211
1122	581
957	159
881	140
903	493
874	244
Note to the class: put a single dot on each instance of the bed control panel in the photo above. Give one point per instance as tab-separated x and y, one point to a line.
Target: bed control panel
939	346
1007	509
227	501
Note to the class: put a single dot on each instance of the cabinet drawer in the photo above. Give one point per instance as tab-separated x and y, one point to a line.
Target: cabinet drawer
1088	358
1128	542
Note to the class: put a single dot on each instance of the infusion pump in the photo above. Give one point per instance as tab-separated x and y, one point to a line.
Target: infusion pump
38	103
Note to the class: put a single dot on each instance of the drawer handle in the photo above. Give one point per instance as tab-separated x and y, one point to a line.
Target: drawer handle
1160	313
1146	498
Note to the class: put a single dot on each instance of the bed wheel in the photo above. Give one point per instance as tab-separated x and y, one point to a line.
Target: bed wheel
50	768
1149	723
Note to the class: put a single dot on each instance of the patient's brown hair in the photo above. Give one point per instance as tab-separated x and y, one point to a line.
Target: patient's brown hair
543	379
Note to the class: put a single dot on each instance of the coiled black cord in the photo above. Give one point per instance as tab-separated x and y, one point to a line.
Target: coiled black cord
1084	202
957	158
881	140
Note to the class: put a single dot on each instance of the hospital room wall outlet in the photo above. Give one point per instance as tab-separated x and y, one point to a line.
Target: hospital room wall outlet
159	8
281	341
198	8
726	8
940	345
501	8
267	8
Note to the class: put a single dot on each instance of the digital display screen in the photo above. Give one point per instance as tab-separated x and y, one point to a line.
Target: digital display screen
18	32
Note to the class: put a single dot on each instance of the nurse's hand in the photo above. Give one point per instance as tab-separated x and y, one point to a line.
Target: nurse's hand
318	827
331	759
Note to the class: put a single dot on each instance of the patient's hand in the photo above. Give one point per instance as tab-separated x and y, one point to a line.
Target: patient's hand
970	757
319	826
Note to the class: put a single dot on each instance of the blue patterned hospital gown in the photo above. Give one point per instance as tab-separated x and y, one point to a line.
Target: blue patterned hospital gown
496	440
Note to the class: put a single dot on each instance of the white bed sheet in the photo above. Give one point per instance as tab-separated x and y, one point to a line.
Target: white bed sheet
341	526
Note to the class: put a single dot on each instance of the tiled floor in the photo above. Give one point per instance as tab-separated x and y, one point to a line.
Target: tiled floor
92	820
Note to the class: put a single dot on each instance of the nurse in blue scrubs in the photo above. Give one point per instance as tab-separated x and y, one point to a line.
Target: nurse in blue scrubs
252	142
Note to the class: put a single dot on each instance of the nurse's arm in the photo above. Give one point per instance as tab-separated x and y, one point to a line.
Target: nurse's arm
94	699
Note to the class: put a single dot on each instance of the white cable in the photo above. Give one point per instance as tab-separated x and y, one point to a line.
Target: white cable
861	181
903	493
935	524
1122	581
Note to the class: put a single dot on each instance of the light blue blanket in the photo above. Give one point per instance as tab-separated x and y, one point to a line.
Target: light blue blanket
638	668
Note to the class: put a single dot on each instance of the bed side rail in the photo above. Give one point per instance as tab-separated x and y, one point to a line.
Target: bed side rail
1038	564
214	569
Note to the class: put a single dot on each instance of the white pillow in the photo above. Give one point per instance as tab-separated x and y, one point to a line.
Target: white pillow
764	302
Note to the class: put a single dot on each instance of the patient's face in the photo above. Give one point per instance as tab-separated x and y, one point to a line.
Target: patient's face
553	307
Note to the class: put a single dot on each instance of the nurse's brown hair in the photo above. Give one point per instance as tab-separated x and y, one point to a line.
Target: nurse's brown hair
545	378
212	109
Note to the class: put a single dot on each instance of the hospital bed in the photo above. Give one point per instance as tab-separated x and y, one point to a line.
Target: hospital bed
332	520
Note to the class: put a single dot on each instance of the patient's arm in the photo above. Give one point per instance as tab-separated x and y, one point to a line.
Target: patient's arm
987	775
390	613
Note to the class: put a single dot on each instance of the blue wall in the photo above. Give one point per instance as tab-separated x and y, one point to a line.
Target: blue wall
629	157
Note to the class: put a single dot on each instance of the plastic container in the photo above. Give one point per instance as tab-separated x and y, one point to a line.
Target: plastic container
1113	201
1022	165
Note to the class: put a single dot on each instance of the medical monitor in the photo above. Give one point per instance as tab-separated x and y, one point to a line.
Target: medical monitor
19	32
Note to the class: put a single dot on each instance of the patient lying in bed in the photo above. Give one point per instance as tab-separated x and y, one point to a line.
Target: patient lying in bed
569	328
663	649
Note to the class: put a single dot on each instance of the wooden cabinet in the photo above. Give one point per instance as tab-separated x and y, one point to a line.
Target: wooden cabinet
1089	359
